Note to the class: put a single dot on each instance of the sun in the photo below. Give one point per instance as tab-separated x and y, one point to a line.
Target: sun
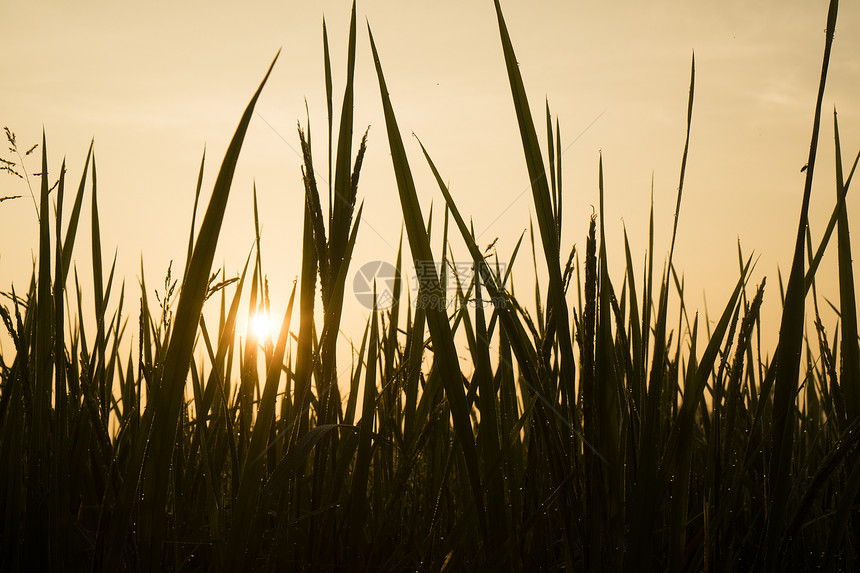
262	326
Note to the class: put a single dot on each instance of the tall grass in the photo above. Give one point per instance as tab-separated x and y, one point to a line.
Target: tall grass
597	438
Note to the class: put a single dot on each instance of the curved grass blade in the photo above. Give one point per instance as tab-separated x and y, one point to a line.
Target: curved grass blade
684	157
440	332
791	341
304	346
643	505
542	201
831	226
194	213
343	201
166	403
74	216
98	289
328	100
850	382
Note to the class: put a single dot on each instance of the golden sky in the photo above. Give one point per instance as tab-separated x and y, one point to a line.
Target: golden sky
153	82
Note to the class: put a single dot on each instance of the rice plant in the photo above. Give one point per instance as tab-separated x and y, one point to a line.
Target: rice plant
590	433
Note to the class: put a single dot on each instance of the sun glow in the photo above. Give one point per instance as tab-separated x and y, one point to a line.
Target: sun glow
263	327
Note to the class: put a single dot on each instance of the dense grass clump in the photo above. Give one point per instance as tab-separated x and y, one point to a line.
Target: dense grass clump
587	436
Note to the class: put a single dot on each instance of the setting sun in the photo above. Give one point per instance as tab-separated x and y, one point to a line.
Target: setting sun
263	327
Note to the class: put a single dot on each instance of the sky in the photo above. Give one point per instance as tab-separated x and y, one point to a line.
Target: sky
152	84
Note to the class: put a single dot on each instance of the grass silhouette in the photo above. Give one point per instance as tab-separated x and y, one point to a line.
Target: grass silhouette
587	436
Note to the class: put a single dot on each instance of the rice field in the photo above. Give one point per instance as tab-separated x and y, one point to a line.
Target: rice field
599	427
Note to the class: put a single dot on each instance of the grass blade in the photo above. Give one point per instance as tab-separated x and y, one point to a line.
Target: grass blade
167	402
443	342
791	340
847	302
543	206
71	231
